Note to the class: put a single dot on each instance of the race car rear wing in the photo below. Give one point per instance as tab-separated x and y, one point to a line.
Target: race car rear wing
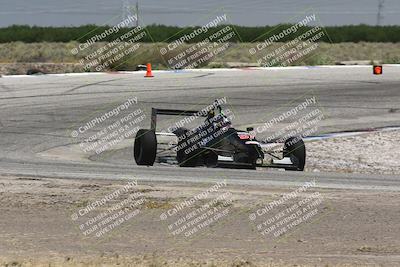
174	112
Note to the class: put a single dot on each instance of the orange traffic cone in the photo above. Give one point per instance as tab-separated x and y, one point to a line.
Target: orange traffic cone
149	74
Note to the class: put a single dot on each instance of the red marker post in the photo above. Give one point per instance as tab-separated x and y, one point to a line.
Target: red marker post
378	70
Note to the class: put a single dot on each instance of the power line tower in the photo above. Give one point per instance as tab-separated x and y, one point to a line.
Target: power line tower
379	16
137	13
127	11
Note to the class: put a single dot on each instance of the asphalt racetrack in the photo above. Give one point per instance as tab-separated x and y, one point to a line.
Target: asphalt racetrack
38	114
47	176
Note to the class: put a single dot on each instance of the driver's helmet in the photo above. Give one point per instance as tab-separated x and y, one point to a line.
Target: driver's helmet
210	114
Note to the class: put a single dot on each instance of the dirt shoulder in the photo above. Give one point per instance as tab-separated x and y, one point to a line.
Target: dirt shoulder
373	153
47	221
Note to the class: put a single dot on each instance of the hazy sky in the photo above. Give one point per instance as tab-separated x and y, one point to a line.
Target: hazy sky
189	12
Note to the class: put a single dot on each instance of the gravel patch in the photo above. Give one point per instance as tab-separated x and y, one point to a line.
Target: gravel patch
375	153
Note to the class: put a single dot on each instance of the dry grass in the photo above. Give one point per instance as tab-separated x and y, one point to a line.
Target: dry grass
150	261
18	52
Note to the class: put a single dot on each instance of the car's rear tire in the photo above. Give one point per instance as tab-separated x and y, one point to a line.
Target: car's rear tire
145	147
211	159
184	160
187	160
296	150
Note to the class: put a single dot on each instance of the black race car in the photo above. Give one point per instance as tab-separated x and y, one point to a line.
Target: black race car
215	143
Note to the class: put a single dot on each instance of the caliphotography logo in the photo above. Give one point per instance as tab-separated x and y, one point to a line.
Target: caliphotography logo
199	213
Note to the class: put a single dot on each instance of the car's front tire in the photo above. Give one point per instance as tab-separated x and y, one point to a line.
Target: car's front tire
296	150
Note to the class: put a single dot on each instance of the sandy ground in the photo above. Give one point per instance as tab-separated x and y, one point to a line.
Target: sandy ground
376	153
37	227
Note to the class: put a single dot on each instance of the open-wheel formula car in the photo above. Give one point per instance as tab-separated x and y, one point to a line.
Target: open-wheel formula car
215	143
